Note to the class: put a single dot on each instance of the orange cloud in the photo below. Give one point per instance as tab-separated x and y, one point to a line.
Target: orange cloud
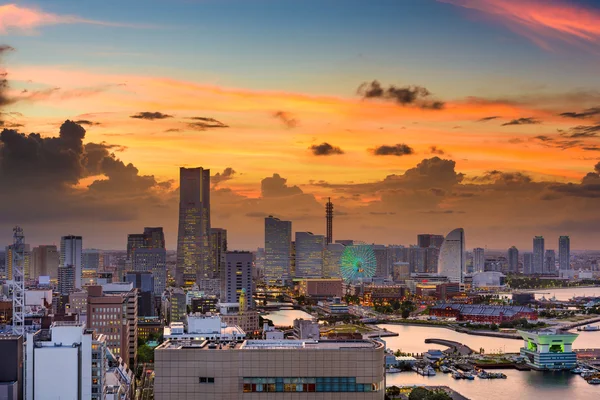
543	21
15	17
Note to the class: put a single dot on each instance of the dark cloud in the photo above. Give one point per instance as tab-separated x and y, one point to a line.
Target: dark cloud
486	119
151	116
436	150
286	118
590	112
276	186
86	122
503	178
204	123
582	131
405	96
173	130
523	121
544	138
220	177
4	99
395	150
325	149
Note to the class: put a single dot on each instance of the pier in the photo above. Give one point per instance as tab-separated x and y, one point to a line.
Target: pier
455	346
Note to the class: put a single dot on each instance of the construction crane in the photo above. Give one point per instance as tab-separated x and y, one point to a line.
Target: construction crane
18	281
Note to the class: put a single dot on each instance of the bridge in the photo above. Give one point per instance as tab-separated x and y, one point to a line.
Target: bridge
456	347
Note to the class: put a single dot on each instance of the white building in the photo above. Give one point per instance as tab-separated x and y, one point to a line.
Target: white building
452	261
478	260
309	255
203	327
489	279
71	254
68	362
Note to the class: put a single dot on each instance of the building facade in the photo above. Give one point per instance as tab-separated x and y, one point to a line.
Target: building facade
478	259
45	260
549	261
549	350
70	254
309	255
452	262
218	245
278	250
528	264
237	276
513	260
538	255
564	253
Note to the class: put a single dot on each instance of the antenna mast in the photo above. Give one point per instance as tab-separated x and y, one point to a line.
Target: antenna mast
18	281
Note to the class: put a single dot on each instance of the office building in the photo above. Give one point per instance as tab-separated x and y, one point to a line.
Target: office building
113	312
203	327
92	259
382	266
175	300
528	264
452	260
513	260
193	250
321	288
154	238
483	313
11	367
538	255
152	260
564	253
478	259
205	304
66	279
237	276
327	369
418	259
549	350
550	262
45	260
332	257
144	283
329	221
8	262
238	314
278	250
66	362
134	241
218	245
70	254
428	240
309	255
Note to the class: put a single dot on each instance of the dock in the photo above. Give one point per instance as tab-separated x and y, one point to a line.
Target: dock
464	350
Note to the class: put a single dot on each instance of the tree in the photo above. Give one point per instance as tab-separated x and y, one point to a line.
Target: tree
405	313
145	354
494	327
418	393
438	395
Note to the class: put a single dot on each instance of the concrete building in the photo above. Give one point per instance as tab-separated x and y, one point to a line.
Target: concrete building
382	268
237	276
203	327
549	261
66	362
483	313
564	253
11	367
320	288
549	350
478	259
77	303
278	250
8	262
452	262
218	245
489	279
193	250
400	271
177	307
284	369
236	314
538	255
152	260
45	260
66	279
513	260
70	254
425	240
92	259
144	283
528	264
309	255
306	329
418	259
332	260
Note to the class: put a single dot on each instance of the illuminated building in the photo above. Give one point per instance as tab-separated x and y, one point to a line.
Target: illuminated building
70	254
309	255
237	276
549	350
452	259
278	250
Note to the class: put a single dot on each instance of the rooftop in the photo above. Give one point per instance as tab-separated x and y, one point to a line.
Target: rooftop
271	345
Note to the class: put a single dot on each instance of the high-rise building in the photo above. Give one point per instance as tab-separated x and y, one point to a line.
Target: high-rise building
218	245
92	259
549	261
432	256
237	276
528	264
513	260
45	260
134	241
564	253
70	254
538	255
193	250
69	362
8	261
11	367
278	250
66	279
329	220
309	255
154	261
382	266
452	262
332	260
478	259
418	259
144	283
428	240
154	238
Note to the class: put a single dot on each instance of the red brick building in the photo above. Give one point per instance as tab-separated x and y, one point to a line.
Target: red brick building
483	313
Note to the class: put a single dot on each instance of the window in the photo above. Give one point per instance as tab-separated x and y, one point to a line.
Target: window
203	379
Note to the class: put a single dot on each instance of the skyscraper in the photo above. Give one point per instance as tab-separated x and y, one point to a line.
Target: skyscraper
452	262
8	263
332	260
66	279
309	255
564	253
278	250
329	218
193	250
549	262
45	260
92	259
429	240
237	275
513	260
218	245
528	264
382	269
70	254
154	237
146	253
478	259
538	255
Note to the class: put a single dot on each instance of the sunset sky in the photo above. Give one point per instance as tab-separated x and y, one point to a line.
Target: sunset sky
414	116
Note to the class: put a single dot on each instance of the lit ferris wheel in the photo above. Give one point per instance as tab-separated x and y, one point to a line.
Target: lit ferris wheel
358	262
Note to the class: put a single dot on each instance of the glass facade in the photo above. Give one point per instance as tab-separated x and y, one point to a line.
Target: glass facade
321	384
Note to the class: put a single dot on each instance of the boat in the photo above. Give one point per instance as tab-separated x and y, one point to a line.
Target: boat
392	370
588	328
576	370
468	375
594	381
457	375
445	369
425	371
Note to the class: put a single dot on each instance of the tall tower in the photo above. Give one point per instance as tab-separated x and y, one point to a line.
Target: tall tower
538	255
18	279
71	254
564	253
329	217
278	250
193	237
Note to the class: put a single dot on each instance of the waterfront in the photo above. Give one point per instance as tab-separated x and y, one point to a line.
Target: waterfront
563	294
286	316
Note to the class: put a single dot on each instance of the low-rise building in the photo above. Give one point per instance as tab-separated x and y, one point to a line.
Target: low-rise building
149	326
334	307
483	313
277	369
306	329
320	288
203	327
549	350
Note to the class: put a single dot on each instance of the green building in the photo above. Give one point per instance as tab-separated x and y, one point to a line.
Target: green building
549	350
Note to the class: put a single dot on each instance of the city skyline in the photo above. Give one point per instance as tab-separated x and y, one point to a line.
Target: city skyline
400	143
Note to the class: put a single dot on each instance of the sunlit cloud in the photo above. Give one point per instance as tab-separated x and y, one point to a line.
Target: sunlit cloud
543	22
